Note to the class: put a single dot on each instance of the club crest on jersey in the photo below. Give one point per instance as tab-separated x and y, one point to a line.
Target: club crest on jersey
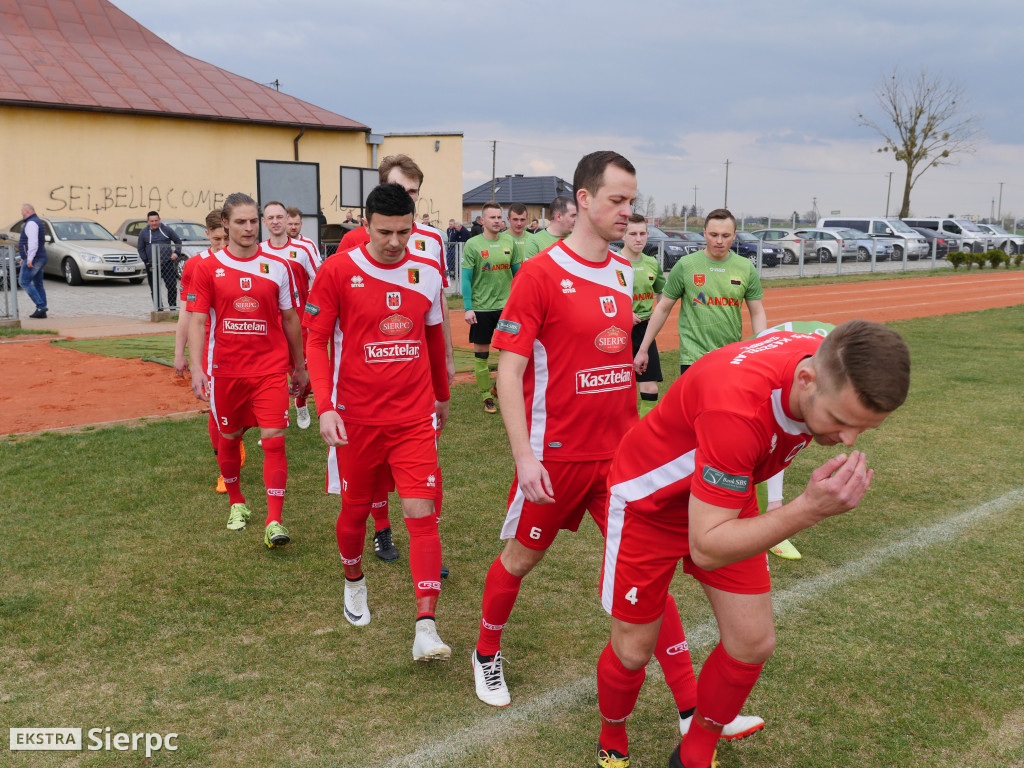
420	245
612	340
246	283
414	277
293	255
394	299
485	254
264	268
698	280
622	277
608	305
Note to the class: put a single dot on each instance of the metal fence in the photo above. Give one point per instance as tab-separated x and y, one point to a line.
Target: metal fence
164	277
807	264
8	283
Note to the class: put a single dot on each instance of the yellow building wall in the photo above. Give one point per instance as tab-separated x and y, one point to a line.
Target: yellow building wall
441	193
110	167
113	167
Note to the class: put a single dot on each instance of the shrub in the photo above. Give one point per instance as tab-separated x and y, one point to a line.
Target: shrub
957	258
1017	259
995	257
980	259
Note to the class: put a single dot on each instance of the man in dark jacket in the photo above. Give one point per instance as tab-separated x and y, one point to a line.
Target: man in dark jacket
155	241
32	252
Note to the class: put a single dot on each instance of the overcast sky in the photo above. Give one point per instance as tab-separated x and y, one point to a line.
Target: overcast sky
679	88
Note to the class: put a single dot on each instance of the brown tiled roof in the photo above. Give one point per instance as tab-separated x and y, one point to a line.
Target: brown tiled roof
88	54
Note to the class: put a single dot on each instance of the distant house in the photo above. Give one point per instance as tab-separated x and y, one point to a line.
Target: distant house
535	192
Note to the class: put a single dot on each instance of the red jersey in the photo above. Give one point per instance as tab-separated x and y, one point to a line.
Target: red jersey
244	299
302	262
721	428
572	319
425	241
186	281
376	316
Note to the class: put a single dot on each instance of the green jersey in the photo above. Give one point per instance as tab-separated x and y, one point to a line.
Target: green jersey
712	293
538	242
491	264
810	327
648	280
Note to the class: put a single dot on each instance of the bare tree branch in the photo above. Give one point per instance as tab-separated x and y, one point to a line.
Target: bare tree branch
926	124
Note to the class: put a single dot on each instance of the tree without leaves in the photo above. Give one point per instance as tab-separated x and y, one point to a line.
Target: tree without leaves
926	124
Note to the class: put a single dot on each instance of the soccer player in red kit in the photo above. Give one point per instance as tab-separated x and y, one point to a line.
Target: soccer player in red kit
379	307
684	478
294	230
254	332
428	242
218	239
304	262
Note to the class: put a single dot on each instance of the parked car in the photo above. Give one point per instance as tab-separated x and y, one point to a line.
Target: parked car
882	248
945	242
672	248
829	245
788	241
974	240
193	235
747	245
1003	240
692	237
81	249
902	236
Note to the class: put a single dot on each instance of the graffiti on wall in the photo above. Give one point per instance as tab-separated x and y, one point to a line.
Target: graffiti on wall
71	198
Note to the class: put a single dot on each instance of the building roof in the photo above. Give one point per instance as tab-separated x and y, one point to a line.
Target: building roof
90	55
529	190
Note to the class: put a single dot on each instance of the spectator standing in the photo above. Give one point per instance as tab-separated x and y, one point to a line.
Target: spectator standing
156	240
32	252
534	226
478	226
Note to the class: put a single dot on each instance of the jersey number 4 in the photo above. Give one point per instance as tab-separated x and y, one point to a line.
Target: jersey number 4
631	596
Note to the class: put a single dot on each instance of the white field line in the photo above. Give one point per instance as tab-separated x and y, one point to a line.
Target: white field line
500	725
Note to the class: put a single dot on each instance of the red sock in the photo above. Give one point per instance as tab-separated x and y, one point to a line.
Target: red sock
379	510
722	689
673	655
211	428
275	476
351	532
424	562
501	589
229	457
299	401
438	496
617	691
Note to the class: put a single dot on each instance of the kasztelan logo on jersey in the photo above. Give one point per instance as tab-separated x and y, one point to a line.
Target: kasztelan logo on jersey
250	327
604	379
391	351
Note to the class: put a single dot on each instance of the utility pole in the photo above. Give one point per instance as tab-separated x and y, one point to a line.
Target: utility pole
694	203
726	203
888	195
992	211
814	208
1000	203
494	163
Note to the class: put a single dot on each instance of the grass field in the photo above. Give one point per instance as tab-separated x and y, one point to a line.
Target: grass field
125	603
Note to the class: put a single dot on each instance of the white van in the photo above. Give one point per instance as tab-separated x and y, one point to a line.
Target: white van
975	240
903	238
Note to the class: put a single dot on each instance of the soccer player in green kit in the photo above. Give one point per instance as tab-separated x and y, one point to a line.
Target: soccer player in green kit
563	219
648	280
517	215
713	284
486	280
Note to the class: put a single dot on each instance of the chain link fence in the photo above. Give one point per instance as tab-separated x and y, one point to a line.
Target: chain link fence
8	283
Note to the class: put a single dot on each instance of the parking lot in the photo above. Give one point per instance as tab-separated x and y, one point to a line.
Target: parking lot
115	298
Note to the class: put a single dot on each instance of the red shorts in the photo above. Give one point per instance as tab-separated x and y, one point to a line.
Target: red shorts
406	452
640	557
578	487
250	401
